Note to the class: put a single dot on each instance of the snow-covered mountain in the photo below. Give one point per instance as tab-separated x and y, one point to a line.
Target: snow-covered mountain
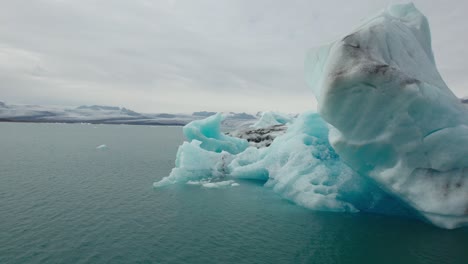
99	114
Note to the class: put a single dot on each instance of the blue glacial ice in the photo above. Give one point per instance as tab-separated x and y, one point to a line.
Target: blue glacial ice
208	132
390	137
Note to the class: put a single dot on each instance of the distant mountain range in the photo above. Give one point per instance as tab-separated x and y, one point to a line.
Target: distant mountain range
98	114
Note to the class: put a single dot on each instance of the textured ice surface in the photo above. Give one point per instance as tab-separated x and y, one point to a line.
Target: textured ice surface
394	119
299	165
208	132
193	163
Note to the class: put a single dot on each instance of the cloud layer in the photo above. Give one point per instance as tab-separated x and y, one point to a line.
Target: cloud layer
181	56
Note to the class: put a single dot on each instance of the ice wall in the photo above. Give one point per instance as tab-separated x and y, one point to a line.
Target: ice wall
394	119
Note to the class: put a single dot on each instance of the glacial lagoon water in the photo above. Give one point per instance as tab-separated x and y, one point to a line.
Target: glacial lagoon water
64	201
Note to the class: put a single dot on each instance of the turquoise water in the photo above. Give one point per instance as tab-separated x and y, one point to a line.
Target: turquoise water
64	201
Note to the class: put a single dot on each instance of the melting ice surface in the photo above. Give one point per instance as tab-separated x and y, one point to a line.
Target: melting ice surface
390	136
103	146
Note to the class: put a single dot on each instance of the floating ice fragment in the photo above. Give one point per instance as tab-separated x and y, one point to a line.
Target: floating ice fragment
220	184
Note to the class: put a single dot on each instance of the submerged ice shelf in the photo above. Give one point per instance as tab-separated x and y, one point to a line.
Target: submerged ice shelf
390	136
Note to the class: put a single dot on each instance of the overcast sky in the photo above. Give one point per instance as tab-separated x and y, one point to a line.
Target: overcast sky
183	56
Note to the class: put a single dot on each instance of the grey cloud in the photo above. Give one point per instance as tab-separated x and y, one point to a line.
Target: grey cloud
178	56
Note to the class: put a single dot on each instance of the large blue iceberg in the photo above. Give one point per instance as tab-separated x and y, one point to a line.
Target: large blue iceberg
300	165
390	137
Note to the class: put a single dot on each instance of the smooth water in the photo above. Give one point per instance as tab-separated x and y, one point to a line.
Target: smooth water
64	201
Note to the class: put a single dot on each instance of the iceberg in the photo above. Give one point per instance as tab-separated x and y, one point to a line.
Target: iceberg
393	119
300	165
389	136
